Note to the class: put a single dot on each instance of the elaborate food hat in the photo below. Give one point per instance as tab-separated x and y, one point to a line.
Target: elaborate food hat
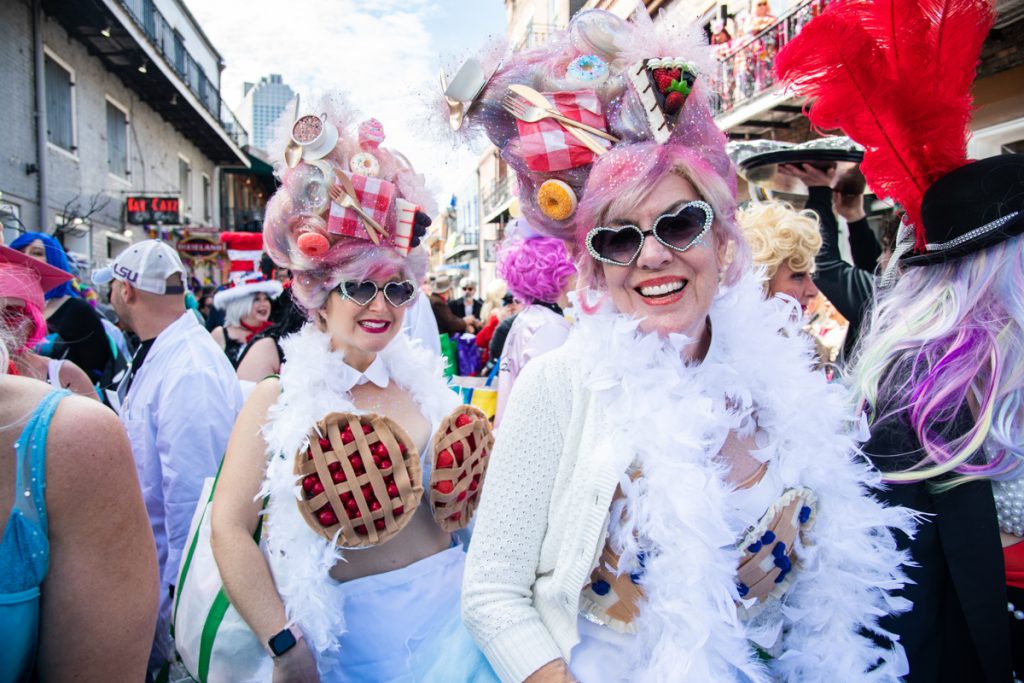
896	75
244	251
339	181
602	83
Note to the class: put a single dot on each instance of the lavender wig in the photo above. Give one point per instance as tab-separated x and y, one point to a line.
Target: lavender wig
536	268
945	337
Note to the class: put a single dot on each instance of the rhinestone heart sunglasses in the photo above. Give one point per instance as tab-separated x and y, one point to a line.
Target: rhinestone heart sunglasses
680	230
396	293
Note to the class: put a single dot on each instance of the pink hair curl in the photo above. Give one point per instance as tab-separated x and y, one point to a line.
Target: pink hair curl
536	268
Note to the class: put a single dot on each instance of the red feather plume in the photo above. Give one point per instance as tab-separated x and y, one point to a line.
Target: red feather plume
894	75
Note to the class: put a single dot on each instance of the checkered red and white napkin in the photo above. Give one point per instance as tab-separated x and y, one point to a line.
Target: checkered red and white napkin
375	196
548	146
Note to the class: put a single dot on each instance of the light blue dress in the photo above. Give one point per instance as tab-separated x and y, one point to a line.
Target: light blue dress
24	549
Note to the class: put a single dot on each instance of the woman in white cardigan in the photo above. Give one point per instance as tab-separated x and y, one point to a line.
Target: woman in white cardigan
674	494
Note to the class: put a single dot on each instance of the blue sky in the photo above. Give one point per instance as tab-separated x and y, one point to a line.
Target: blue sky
385	54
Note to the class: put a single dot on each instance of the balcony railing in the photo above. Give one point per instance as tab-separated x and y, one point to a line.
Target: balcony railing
536	35
744	67
170	46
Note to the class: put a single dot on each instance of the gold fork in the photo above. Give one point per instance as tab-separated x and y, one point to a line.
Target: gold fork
524	110
345	197
514	108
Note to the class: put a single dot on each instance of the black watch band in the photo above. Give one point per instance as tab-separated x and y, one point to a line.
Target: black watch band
281	642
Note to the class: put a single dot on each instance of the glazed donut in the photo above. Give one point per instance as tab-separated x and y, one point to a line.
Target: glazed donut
556	200
365	164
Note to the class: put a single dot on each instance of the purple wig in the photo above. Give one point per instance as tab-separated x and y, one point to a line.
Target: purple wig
945	337
536	268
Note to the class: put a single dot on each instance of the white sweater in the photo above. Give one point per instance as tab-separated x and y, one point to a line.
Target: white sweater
580	415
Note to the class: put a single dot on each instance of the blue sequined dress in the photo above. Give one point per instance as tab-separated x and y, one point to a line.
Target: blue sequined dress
24	549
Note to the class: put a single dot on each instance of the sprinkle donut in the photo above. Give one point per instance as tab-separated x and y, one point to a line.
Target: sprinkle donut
365	164
589	69
556	200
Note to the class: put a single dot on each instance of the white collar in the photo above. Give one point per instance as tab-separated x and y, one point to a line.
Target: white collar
348	377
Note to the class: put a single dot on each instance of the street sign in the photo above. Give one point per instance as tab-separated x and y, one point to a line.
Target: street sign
199	248
163	210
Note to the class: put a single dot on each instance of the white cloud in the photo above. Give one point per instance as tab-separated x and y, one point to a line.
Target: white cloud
379	52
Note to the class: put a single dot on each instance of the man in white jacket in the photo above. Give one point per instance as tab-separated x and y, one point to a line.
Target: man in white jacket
178	404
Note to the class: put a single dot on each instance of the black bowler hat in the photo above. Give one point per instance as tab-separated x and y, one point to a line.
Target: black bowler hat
971	208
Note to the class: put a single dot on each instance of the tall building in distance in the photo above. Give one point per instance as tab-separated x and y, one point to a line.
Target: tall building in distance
261	106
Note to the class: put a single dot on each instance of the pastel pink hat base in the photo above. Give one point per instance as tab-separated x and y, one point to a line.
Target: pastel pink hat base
23	277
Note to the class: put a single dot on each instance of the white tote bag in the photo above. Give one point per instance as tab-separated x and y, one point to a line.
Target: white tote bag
213	641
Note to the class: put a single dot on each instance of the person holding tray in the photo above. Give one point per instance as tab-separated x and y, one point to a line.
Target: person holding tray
673	491
359	570
938	368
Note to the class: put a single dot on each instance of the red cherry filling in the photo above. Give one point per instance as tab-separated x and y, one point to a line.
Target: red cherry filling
346	436
309	481
458	451
385	464
444	486
326	516
463	420
325	444
399	509
380	524
444	460
338	477
357	463
361	530
392	491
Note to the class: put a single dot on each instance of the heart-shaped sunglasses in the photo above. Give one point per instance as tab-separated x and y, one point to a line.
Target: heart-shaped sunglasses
678	231
396	293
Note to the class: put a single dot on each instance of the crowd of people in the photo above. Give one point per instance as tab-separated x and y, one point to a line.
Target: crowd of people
677	480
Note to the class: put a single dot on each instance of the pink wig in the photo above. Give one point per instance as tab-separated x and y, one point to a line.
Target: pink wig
302	205
623	178
621	44
536	268
19	282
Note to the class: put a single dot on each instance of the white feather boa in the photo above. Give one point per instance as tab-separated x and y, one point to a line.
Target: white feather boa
299	558
672	419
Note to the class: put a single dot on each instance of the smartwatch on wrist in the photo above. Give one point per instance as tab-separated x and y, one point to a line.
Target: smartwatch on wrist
283	641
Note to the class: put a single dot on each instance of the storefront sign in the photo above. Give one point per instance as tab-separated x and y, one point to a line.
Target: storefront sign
163	210
200	248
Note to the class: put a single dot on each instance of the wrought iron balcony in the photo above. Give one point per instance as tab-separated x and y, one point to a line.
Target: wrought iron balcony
168	43
744	68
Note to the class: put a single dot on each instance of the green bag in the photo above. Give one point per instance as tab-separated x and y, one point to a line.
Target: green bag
450	352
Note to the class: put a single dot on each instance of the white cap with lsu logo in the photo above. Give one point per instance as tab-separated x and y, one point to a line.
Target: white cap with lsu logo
146	266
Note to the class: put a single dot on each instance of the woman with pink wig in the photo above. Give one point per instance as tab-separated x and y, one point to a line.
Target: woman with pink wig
539	273
23	281
672	489
354	589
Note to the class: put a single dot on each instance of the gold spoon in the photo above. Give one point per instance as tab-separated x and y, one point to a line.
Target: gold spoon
293	150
